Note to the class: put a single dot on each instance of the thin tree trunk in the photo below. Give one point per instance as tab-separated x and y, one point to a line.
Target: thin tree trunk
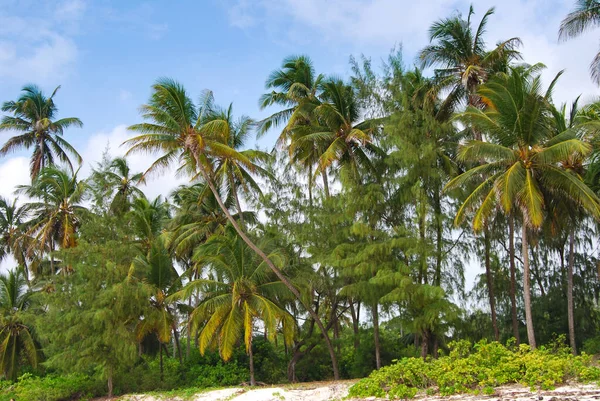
189	334
110	381
424	344
354	325
490	283
527	290
325	184
437	280
513	278
275	270
251	358
570	312
160	351
177	345
52	256
237	203
376	336
422	227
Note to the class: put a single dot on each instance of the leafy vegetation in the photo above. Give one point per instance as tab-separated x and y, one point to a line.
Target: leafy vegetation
479	368
341	252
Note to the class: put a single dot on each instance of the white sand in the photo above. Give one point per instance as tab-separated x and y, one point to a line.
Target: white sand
334	391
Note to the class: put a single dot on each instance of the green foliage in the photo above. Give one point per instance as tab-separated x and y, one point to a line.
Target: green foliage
51	388
479	368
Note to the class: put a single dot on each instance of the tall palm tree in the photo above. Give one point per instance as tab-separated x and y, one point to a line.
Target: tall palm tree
459	51
148	219
520	165
57	210
14	241
585	16
230	172
295	83
16	338
336	128
240	290
34	116
176	130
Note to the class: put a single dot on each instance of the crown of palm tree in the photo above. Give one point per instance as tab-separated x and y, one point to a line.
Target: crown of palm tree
33	115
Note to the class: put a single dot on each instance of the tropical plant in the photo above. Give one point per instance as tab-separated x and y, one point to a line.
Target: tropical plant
240	290
16	336
177	131
459	50
33	115
520	166
13	232
56	208
585	15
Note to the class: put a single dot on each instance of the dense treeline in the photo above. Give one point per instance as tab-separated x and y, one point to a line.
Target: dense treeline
340	250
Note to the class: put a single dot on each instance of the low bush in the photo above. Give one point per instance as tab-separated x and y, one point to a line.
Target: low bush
478	368
51	388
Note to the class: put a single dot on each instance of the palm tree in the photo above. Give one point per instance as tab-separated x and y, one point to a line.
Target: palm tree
459	50
240	290
16	338
230	172
520	165
33	115
176	131
337	130
119	176
14	241
148	219
56	209
585	16
157	271
292	85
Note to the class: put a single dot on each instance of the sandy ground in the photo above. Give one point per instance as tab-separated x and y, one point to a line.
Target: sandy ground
334	391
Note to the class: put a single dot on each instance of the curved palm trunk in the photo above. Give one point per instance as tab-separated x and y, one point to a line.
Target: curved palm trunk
490	284
570	308
275	270
513	278
237	203
527	290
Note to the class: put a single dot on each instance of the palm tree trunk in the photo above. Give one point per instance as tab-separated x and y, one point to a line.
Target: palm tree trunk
160	351
527	290
275	270
376	336
251	358
237	203
513	278
437	280
110	381
490	283
325	184
422	237
52	255
570	309
177	345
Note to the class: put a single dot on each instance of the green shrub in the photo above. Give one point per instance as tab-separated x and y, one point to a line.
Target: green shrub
479	368
51	388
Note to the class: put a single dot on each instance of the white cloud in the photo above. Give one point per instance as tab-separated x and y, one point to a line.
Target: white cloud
39	47
13	171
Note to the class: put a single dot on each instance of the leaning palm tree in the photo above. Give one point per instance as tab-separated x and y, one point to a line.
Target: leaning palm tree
459	51
34	117
520	165
240	290
175	129
57	210
16	338
585	16
230	172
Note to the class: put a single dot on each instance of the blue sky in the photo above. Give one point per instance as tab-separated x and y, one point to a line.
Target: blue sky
106	54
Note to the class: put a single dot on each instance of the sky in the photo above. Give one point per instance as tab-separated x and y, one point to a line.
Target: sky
106	55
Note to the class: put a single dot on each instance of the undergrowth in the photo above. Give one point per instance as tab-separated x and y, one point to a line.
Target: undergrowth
478	368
